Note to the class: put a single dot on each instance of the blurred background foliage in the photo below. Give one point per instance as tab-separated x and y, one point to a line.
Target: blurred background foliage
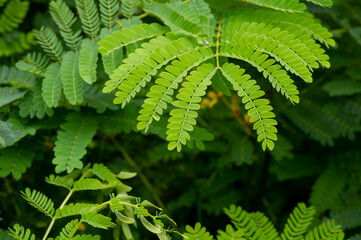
316	160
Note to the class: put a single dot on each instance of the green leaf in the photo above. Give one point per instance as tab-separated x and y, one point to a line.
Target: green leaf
149	226
70	78
50	43
20	233
343	87
15	160
328	188
9	95
298	222
16	78
109	10
35	63
88	57
126	175
65	20
72	140
8	136
34	105
197	233
98	220
51	88
39	201
85	237
282	5
124	219
74	209
89	17
322	3
128	7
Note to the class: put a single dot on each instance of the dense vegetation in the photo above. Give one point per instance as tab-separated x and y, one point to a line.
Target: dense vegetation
142	119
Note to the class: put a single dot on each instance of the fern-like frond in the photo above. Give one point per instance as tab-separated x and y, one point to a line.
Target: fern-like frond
160	93
14	160
39	201
86	237
327	230
97	220
127	36
278	77
185	18
13	15
112	61
188	100
327	188
265	225
128	8
88	57
298	222
103	173
197	233
281	5
8	136
204	14
147	4
20	233
340	87
290	52
90	184
296	23
9	95
68	229
71	142
63	181
258	108
244	221
348	216
74	209
323	123
114	58
65	19
140	66
70	78
322	3
50	43
15	77
16	42
230	234
89	17
109	12
35	63
51	88
34	105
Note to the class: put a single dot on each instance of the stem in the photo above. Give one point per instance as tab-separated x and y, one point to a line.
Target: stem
54	218
143	15
218	43
49	228
61	206
142	176
66	199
